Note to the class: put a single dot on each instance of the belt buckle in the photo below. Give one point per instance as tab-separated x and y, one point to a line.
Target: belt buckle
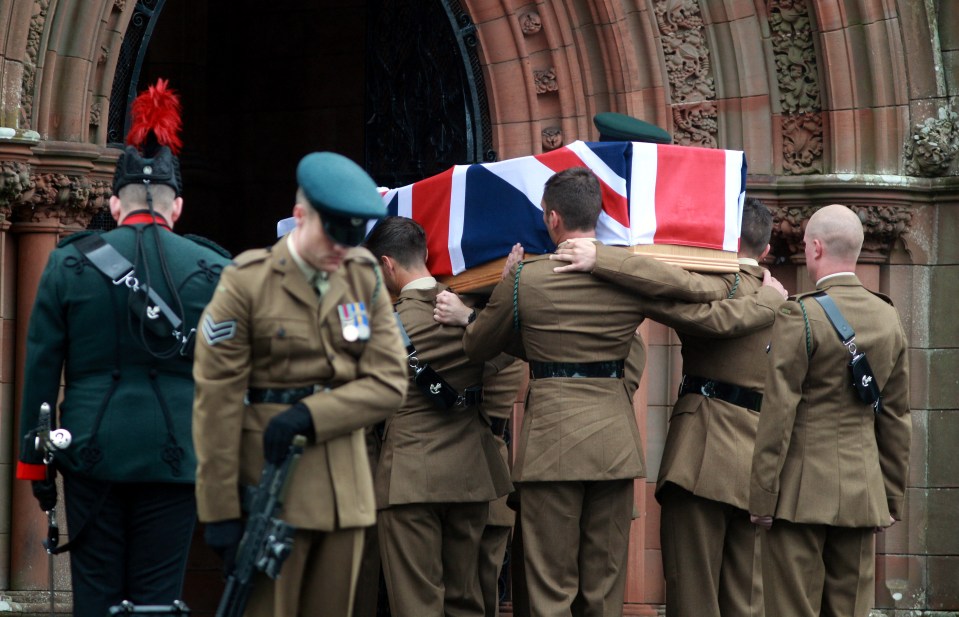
708	389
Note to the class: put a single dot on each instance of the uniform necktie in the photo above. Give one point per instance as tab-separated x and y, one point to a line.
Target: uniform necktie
320	282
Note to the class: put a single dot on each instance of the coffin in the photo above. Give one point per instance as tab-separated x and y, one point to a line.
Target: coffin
678	204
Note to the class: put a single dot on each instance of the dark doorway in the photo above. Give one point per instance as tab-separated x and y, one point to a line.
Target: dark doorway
393	84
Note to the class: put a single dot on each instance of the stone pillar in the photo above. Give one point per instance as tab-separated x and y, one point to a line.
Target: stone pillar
48	190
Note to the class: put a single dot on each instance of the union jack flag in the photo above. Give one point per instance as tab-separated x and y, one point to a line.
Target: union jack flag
652	194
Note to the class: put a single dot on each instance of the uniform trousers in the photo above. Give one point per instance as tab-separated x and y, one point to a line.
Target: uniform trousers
131	542
491	554
318	578
430	554
576	544
811	570
711	557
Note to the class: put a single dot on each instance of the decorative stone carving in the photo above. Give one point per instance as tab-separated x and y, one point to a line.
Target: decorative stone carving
70	199
696	125
933	145
530	23
802	144
689	71
882	226
552	138
37	23
95	110
119	5
104	54
545	81
798	79
14	182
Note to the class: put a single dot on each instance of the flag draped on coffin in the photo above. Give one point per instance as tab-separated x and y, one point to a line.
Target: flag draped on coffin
652	194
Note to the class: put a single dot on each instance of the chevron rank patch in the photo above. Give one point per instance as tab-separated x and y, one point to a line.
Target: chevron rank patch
218	331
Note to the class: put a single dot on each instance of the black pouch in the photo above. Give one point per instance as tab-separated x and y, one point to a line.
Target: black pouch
435	387
865	382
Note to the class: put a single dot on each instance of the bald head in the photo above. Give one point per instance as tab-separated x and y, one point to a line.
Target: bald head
833	240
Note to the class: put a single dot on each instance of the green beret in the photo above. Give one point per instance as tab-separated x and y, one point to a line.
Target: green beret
620	127
335	185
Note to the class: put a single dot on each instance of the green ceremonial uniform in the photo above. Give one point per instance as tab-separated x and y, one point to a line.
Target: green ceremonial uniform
128	411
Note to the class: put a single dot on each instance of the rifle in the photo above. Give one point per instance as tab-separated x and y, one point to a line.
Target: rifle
267	540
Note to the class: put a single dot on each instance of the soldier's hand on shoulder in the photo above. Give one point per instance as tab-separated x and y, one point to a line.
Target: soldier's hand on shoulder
770	281
579	252
450	310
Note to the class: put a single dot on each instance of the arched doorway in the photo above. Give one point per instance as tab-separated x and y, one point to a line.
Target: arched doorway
393	84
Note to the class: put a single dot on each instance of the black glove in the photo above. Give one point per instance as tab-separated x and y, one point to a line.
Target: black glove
282	428
224	538
45	491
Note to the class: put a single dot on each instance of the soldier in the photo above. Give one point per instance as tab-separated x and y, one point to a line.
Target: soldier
299	339
579	450
440	465
125	352
830	463
708	542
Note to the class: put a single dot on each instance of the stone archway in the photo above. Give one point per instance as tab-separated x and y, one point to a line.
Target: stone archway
833	101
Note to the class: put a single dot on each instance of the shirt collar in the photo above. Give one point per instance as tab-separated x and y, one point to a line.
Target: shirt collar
748	261
308	271
834	274
426	282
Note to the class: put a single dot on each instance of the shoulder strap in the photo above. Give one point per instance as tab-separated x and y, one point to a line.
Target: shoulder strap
120	271
843	329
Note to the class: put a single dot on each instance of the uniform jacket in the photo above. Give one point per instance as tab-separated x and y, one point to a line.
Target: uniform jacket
268	329
822	456
573	428
128	411
432	455
708	449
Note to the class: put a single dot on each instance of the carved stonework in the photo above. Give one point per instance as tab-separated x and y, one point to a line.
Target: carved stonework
933	145
530	23
545	81
14	182
881	225
552	138
73	200
95	110
119	5
802	144
696	125
798	80
37	23
104	54
688	69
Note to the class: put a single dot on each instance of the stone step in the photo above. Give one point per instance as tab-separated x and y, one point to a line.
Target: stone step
35	603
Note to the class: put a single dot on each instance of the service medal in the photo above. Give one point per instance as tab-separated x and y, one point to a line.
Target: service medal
363	325
347	313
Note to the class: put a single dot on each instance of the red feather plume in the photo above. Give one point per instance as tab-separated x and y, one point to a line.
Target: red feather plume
156	111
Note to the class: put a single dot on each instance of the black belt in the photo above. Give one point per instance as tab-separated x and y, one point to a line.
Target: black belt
710	388
472	396
612	369
280	396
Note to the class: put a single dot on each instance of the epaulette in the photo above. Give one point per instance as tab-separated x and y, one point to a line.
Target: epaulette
882	297
210	244
251	257
76	236
805	294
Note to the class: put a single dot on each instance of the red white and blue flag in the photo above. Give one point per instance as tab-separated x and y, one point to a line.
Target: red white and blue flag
652	194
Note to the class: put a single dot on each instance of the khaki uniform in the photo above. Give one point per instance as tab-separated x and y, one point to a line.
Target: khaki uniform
579	448
438	471
266	328
707	539
825	466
